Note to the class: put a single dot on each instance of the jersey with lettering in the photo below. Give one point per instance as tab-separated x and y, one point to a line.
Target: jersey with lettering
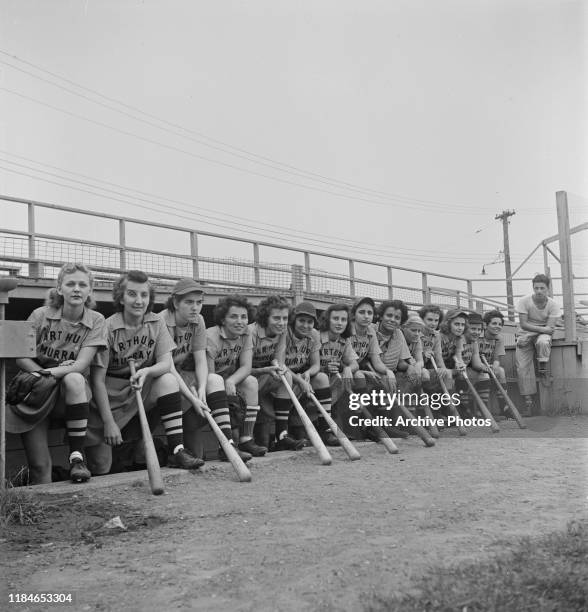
431	342
59	340
146	344
339	351
467	350
365	345
394	348
491	348
299	350
226	352
188	339
450	345
265	348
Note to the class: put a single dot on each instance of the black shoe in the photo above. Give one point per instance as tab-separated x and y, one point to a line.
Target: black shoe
78	472
252	448
288	443
329	438
394	432
185	460
245	457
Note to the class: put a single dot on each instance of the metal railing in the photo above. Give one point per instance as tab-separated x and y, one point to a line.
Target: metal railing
39	255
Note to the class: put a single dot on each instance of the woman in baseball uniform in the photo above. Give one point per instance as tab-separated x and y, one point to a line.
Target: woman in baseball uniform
187	328
229	353
303	344
337	358
135	333
432	316
268	337
68	336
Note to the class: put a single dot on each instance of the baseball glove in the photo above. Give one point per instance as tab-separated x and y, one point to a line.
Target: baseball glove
30	388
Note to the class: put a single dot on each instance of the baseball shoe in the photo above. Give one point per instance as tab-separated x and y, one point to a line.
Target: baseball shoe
329	438
78	472
252	448
394	432
288	443
185	460
245	457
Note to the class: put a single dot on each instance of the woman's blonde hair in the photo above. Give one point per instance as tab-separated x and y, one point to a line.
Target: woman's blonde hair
55	300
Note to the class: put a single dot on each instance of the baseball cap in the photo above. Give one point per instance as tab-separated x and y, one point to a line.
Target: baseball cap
187	285
305	308
413	318
474	317
363	300
456	312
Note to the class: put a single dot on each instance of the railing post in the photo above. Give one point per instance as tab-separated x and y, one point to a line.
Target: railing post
547	270
458	299
194	254
122	253
479	307
297	283
351	278
35	268
470	293
390	290
256	263
307	271
425	287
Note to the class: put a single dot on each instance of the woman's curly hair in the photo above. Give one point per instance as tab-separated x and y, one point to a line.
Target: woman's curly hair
225	304
265	307
120	286
397	305
55	300
325	319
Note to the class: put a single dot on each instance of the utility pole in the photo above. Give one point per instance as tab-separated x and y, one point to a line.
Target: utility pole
509	294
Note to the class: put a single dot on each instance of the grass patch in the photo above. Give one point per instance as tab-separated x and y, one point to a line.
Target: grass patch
19	507
545	574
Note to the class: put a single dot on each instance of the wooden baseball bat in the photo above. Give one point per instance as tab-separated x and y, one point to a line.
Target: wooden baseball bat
243	473
433	428
311	432
351	451
382	435
421	432
155	480
481	405
502	390
452	407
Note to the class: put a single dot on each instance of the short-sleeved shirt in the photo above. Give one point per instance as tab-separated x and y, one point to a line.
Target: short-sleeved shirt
431	342
299	350
339	351
226	352
394	348
467	350
535	315
59	340
365	345
415	348
146	344
449	346
491	348
188	339
265	348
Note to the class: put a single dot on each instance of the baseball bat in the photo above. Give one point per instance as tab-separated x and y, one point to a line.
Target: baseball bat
420	431
502	390
351	451
382	435
243	473
311	432
452	407
155	480
481	405
433	428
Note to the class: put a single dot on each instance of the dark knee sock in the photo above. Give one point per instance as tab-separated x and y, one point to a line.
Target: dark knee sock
219	407
170	410
282	407
76	422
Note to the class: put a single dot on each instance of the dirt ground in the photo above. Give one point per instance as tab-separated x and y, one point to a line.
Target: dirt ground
302	536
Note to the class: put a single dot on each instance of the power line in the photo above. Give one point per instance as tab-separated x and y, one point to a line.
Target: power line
241	153
325	239
298	243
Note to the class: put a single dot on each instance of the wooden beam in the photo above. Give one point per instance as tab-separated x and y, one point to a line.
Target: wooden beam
565	253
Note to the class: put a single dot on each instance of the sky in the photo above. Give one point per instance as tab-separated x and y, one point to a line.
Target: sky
388	131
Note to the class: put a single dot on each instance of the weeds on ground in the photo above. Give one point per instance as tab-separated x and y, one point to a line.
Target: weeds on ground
545	574
19	507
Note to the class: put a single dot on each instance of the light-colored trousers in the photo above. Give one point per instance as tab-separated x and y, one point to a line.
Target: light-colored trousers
529	343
